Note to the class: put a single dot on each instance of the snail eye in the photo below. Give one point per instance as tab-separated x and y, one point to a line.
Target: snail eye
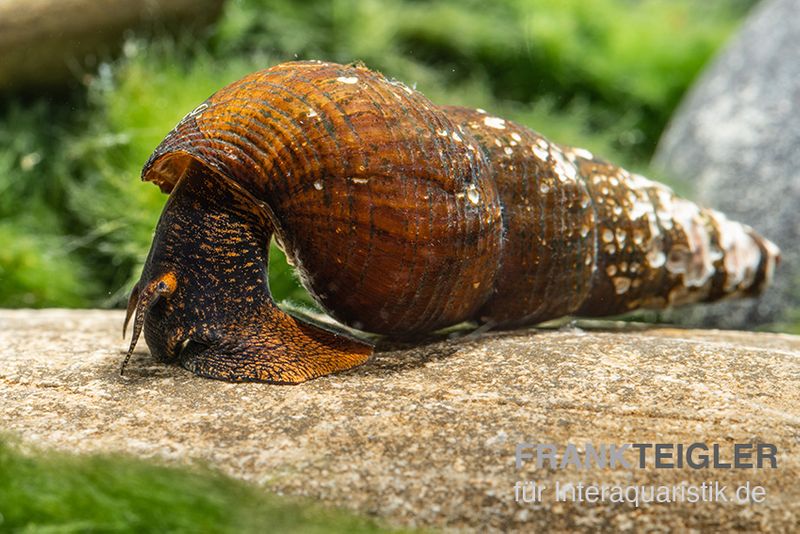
166	285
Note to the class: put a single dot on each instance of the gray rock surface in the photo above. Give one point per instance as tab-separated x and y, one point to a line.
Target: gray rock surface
736	139
426	436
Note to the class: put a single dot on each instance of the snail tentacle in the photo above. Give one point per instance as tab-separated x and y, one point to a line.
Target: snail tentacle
141	302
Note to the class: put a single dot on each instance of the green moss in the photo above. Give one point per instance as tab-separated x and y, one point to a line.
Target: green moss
37	270
56	492
39	265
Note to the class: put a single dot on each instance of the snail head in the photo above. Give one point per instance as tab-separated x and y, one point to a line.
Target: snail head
203	299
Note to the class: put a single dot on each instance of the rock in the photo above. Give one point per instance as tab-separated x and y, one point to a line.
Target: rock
50	42
426	436
735	138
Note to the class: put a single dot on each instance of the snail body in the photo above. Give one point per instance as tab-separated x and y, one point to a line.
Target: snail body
401	217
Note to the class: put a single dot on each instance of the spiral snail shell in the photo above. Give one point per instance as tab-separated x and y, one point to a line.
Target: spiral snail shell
401	217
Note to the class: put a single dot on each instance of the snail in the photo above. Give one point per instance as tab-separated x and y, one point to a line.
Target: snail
401	217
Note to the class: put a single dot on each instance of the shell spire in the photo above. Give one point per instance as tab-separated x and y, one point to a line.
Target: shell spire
588	238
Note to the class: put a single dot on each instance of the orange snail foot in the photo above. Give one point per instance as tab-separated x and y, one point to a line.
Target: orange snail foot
276	348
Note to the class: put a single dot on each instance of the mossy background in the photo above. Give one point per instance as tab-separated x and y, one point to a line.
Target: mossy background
50	492
76	223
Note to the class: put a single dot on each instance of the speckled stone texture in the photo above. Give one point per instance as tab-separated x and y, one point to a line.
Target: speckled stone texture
426	436
735	141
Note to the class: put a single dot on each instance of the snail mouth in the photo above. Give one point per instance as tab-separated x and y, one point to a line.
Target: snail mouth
176	343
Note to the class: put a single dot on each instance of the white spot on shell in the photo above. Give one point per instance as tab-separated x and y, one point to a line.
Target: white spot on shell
480	110
608	235
539	152
495	122
544	188
473	195
516	137
198	110
456	137
611	270
565	170
656	258
621	284
640	209
508	150
678	259
311	112
360	180
347	79
665	211
318	185
583	153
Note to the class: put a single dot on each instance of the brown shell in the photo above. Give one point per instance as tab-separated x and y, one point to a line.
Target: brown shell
402	216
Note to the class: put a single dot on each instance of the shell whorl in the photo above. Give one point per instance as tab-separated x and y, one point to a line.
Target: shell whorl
403	216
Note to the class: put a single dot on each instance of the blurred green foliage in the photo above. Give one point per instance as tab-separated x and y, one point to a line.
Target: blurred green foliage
55	492
37	267
76	223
